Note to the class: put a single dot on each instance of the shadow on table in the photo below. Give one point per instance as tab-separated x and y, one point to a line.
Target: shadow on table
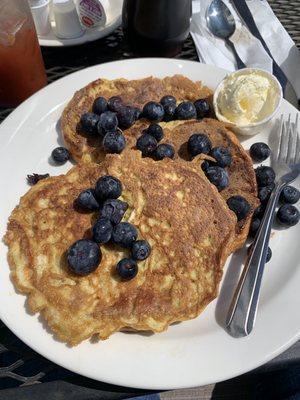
282	384
46	380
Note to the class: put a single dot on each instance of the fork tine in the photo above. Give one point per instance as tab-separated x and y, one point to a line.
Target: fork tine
292	143
297	145
281	127
284	141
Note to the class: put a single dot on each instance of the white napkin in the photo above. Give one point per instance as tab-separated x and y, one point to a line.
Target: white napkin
212	50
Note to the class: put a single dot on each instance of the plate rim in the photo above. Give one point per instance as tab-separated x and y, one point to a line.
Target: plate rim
263	360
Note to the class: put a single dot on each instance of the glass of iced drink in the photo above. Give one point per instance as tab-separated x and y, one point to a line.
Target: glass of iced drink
22	70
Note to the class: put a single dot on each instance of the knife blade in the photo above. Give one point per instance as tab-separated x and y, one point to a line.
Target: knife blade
245	14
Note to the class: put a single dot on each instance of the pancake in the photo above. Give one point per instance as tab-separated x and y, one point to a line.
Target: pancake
174	207
133	92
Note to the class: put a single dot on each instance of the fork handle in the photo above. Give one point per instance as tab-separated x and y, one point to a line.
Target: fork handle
242	311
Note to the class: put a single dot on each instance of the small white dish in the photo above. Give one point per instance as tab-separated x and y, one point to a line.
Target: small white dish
255	127
113	20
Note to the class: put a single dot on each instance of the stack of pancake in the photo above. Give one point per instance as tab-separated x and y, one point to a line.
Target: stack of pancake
175	208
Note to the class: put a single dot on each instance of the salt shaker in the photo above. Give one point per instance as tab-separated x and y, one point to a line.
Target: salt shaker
66	19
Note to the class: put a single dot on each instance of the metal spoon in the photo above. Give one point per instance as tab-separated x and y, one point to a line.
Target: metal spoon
221	23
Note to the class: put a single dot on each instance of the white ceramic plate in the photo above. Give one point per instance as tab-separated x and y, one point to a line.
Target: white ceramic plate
113	20
192	353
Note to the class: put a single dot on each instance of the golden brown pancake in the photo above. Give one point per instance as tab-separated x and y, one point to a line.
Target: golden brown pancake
133	92
174	207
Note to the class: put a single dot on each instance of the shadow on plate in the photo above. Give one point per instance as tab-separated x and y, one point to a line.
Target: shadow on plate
60	143
131	331
60	140
228	286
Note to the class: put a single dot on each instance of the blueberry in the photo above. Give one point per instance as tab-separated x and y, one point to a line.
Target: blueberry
156	131
146	144
265	176
87	200
137	113
99	105
60	155
153	111
259	151
108	187
114	142
124	234
169	110
205	164
222	156
127	268
84	257
88	123
186	110
202	108
199	143
259	211
140	250
264	193
255	224
239	205
108	121
269	252
115	103
114	210
164	151
126	117
218	177
288	215
168	99
289	195
102	230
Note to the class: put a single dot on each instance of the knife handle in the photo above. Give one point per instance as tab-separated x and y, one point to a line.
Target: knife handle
239	62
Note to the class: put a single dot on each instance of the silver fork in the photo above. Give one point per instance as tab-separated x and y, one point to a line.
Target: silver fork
243	308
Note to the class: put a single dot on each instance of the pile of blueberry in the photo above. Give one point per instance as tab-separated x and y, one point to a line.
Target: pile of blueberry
85	255
198	143
106	121
167	110
287	214
216	171
109	117
147	143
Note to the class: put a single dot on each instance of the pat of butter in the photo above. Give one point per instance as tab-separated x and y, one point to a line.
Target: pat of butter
247	97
